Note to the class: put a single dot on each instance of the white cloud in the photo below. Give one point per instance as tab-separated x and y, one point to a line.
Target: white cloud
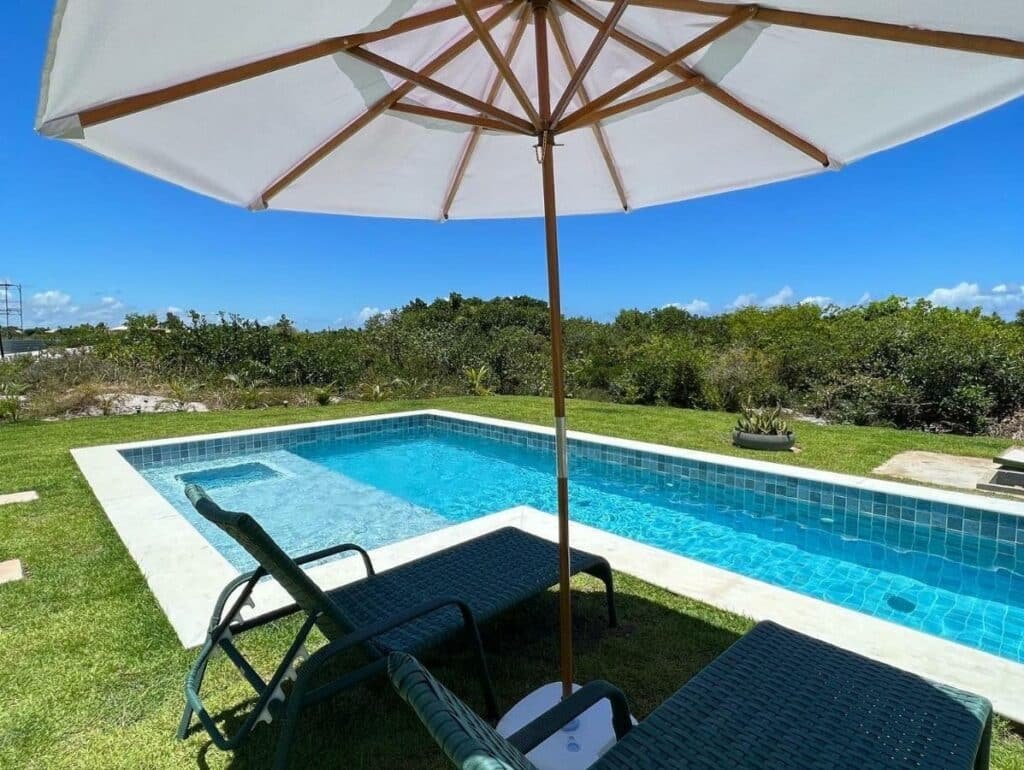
695	306
962	292
366	314
57	308
1004	298
358	320
47	301
818	300
781	297
743	300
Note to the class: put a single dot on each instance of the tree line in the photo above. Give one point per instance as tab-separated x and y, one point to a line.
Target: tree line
908	364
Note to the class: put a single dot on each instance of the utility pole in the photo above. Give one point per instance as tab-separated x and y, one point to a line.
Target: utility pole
10	307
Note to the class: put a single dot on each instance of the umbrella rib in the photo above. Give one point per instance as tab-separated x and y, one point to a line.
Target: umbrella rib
130	105
584	98
634	103
500	60
633	43
664	61
492	95
841	25
600	38
374	111
479	122
440	89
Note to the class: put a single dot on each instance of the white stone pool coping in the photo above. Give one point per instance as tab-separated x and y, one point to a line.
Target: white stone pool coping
186	573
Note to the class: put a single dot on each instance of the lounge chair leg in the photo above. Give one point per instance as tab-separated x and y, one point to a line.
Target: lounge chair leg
284	741
185	723
188	713
473	632
290	718
613	616
488	685
604	573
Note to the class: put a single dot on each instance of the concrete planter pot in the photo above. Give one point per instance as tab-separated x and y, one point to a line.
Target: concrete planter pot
779	443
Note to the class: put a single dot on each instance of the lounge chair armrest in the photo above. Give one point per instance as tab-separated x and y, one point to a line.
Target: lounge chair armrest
336	549
329	650
249	580
554	719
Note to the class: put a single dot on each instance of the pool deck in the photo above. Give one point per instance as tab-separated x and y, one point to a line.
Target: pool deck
186	573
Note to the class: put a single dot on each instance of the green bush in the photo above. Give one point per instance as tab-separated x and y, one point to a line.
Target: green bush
741	375
892	362
967	409
867	400
660	370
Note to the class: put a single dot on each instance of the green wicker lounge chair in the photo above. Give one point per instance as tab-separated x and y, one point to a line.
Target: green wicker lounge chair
774	699
408	608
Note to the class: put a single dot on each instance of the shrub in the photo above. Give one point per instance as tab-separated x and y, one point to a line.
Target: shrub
866	400
967	409
476	379
378	390
323	395
660	370
738	376
10	408
10	400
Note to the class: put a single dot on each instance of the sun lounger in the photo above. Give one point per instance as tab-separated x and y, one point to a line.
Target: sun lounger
409	608
774	699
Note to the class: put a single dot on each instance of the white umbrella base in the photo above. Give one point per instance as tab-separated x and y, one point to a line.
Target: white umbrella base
577	745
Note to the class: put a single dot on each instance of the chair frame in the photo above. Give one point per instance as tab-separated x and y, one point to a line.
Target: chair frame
297	665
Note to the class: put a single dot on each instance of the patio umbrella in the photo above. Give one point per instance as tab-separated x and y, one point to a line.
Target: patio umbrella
449	109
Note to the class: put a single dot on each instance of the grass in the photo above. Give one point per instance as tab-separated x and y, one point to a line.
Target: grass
93	671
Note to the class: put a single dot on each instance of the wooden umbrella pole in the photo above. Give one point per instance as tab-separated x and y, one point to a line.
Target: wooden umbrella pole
546	151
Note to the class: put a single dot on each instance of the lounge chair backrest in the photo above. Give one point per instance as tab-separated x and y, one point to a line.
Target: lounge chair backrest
247	532
469	742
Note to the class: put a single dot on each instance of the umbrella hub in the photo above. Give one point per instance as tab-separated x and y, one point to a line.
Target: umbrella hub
545	139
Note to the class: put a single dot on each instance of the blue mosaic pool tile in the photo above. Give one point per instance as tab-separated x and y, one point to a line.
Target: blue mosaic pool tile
851	510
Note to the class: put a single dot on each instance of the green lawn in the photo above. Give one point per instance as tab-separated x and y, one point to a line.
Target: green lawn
93	672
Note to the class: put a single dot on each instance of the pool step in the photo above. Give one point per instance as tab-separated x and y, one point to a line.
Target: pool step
1009	482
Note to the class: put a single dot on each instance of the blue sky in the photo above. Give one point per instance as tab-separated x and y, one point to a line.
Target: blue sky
941	217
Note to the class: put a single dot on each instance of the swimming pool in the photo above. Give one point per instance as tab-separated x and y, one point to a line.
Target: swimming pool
952	571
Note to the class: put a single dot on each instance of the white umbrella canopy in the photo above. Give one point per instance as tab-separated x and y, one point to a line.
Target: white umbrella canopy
831	98
441	109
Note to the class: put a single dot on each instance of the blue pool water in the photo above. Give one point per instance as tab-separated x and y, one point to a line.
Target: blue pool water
962	586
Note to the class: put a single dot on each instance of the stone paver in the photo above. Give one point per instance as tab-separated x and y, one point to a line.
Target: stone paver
18	497
11	570
1012	458
936	468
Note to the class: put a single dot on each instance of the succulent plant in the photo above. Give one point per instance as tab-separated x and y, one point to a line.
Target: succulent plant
764	421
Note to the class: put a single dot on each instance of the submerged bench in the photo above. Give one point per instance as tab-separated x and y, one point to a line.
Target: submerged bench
774	699
409	608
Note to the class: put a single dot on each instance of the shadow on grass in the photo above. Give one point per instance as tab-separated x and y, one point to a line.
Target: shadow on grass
661	642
